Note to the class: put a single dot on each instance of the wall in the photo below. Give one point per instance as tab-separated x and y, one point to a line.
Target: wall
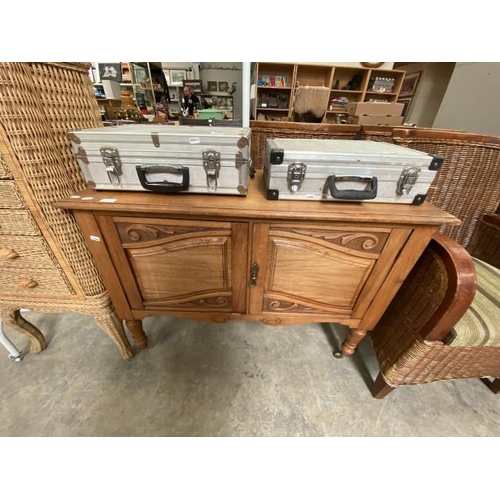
225	72
472	102
431	88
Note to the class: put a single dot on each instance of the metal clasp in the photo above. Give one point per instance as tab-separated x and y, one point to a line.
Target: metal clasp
211	164
296	174
111	160
408	177
254	272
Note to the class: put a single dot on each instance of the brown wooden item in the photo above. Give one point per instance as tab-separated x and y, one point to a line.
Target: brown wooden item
217	258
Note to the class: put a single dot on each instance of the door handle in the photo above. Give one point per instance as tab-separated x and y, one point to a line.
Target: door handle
254	272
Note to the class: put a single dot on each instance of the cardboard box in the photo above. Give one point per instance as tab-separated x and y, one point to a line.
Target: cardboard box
375	120
375	108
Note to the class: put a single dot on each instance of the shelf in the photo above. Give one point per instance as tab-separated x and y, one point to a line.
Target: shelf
285	110
265	87
323	75
374	92
337	91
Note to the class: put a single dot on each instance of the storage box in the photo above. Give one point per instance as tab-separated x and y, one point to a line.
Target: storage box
375	108
347	170
205	114
195	159
375	120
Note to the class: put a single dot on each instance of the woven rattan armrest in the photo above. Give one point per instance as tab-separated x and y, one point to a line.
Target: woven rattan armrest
485	244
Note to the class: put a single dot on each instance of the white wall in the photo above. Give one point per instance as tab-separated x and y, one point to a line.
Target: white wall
431	88
472	99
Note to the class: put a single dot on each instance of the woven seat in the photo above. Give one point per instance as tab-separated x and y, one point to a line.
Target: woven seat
438	327
480	325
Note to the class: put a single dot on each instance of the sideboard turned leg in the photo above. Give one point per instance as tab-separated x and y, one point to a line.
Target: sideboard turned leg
351	342
13	319
135	327
113	326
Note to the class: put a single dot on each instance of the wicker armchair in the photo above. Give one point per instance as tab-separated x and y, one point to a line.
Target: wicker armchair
438	327
262	130
467	184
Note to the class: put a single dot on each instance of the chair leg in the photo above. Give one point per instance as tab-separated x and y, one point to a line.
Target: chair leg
13	319
380	387
495	386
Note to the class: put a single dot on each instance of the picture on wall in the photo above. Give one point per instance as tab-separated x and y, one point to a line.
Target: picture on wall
110	71
177	76
211	86
223	86
406	101
410	83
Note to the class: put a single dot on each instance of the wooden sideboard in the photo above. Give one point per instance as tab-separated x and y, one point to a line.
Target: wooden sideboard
221	258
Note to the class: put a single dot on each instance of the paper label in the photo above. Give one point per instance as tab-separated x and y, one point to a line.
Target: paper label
95	238
194	140
107	200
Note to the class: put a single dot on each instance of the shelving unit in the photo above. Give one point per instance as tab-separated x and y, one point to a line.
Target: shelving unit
384	85
356	84
142	86
274	82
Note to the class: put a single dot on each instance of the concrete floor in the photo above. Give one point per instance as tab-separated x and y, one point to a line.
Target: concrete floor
238	379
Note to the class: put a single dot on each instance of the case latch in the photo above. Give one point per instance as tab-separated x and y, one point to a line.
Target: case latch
296	174
408	177
211	164
113	164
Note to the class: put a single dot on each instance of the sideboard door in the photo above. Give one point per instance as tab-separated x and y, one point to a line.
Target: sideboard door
321	269
179	265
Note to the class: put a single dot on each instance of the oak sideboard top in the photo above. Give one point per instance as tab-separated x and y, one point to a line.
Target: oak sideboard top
254	206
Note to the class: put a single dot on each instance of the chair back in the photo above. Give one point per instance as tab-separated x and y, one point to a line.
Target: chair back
467	185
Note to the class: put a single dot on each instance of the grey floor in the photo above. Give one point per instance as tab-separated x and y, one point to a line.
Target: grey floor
237	379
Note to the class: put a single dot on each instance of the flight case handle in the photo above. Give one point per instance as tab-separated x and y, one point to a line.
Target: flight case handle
163	186
352	194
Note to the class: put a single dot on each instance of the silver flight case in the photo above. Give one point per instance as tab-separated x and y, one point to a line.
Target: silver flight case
165	158
347	170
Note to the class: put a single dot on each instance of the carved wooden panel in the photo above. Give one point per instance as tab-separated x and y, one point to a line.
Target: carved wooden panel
193	272
313	270
131	232
355	241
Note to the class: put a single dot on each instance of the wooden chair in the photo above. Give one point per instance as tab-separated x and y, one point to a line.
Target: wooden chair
438	327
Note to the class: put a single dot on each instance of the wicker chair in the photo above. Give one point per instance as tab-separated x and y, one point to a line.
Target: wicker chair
262	130
438	327
467	184
44	261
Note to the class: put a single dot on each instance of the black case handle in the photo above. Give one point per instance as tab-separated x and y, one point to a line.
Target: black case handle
163	186
352	194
